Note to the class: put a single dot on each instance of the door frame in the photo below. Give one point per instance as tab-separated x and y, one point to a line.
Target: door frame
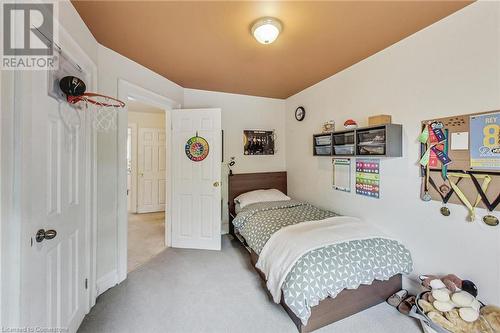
10	233
128	90
11	187
133	173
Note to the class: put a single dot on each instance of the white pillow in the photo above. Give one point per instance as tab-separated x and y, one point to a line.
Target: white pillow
237	208
252	197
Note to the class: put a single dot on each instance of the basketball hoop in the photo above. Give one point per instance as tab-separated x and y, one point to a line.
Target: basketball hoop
103	109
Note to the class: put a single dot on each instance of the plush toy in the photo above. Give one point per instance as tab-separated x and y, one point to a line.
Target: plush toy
492	315
450	281
453	283
453	321
448	304
469	287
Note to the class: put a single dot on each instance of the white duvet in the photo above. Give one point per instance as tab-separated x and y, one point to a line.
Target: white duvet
287	245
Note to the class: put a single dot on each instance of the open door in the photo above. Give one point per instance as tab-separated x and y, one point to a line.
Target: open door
196	173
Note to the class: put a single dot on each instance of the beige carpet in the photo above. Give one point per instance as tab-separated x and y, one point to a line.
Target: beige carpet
197	291
146	237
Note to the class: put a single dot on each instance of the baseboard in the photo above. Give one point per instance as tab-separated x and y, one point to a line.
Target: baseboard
412	284
107	281
224	228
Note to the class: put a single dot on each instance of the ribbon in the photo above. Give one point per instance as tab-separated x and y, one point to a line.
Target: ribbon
441	155
436	128
490	205
424	135
424	161
463	198
444	168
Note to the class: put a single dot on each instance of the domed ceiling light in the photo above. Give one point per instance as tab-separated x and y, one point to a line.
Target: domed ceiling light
266	30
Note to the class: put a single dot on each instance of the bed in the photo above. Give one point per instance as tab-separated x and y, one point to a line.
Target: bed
312	310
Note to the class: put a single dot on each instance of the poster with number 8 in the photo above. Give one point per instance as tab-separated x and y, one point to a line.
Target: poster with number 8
485	141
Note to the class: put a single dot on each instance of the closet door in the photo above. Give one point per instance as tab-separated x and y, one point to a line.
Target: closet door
151	157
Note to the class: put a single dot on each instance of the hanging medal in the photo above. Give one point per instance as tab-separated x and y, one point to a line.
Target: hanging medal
463	198
424	161
490	220
445	192
426	196
487	219
490	205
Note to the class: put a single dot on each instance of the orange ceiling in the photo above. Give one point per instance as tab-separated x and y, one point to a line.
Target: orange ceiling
208	45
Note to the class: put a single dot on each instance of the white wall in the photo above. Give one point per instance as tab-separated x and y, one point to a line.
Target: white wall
240	112
112	67
449	68
147	119
71	21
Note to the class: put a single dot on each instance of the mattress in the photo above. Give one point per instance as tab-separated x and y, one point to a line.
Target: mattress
325	271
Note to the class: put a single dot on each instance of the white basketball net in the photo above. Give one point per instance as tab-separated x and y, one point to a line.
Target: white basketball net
103	113
103	117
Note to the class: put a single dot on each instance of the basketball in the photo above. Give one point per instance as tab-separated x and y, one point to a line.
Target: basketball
72	86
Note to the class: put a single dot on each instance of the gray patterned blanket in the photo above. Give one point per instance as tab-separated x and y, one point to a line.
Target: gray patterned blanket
326	271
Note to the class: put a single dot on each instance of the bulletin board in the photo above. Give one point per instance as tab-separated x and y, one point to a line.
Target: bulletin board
468	139
341	180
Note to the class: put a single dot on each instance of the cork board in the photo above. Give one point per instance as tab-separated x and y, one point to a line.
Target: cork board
457	126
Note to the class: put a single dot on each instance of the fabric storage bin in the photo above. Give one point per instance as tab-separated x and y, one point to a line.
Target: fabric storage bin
371	149
427	324
371	136
343	139
344	150
323	140
323	150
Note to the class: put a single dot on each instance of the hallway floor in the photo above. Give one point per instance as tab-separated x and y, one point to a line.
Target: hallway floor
183	291
146	238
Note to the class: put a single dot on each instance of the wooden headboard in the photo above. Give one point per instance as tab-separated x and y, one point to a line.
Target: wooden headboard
245	182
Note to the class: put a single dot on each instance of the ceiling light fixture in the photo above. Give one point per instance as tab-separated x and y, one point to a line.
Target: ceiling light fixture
266	30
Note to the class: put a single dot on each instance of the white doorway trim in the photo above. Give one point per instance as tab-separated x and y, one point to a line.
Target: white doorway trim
127	90
133	167
10	233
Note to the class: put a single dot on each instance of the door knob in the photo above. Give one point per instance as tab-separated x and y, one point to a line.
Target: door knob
45	234
216	184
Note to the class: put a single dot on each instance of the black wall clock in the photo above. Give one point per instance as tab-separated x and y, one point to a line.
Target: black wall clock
300	113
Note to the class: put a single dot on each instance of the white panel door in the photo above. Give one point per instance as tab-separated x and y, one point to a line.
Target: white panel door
196	190
151	158
53	179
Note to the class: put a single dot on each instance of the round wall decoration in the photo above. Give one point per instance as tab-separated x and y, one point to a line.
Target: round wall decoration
300	113
197	148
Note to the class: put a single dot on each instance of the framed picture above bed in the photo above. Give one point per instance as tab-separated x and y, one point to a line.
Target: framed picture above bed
258	142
